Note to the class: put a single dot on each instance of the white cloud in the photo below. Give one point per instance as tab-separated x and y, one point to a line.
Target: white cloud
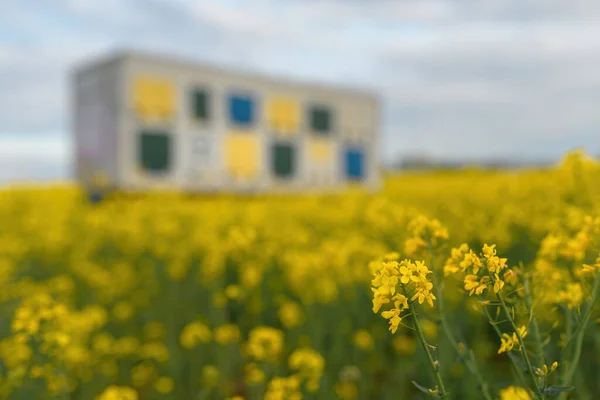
501	77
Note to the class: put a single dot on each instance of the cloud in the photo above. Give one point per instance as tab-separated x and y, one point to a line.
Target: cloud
457	78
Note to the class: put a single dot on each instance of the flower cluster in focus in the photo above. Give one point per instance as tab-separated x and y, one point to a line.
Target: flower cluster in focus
508	342
483	271
397	283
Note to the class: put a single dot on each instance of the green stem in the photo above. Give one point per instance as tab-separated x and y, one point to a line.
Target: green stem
438	377
535	330
494	325
582	391
465	353
530	370
572	367
565	351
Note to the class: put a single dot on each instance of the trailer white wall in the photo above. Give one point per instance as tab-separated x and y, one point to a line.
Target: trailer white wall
203	153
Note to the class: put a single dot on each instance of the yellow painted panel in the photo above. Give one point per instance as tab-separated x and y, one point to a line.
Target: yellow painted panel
242	155
153	97
320	151
283	115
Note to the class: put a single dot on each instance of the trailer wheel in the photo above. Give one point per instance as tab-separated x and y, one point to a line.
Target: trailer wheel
95	196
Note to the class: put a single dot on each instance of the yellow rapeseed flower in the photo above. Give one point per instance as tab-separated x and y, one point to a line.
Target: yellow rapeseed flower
309	365
193	334
264	344
363	340
394	282
514	393
508	342
283	389
118	393
290	314
253	374
227	333
164	385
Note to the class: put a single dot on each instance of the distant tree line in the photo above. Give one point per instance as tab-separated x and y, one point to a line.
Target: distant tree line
424	162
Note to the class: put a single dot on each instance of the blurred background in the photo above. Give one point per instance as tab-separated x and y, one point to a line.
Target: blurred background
172	296
495	82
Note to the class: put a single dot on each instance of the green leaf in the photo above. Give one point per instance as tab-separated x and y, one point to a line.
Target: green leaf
425	390
553	391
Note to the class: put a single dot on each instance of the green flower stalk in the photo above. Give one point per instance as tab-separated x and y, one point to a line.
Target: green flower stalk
465	353
441	390
397	286
489	272
571	367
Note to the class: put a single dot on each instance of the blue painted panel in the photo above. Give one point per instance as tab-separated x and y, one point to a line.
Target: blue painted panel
241	109
355	164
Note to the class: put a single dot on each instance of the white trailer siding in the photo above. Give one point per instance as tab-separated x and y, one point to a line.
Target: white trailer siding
95	122
199	123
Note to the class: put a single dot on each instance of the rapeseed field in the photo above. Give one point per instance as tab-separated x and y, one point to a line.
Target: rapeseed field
466	284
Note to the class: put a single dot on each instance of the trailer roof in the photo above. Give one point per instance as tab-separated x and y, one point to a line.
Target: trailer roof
123	55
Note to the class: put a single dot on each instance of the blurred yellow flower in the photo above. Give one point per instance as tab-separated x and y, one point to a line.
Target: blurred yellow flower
346	390
233	292
118	393
283	389
227	333
430	329
193	334
142	374
265	344
404	344
253	374
123	311
210	376
309	364
155	350
290	314
514	393
363	340
164	385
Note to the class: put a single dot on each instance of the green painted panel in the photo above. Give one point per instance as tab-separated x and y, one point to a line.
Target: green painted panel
320	120
200	104
154	151
284	160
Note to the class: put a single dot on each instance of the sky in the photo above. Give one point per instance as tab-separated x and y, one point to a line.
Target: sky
458	79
